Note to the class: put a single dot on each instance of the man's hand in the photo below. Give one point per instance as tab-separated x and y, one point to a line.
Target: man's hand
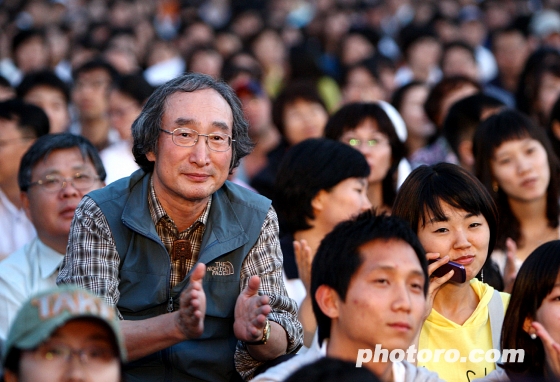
251	311
190	320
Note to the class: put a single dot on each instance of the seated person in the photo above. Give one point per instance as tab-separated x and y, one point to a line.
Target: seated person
320	183
54	326
369	281
56	171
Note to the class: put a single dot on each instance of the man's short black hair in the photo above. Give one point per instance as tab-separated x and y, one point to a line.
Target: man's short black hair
338	257
43	78
464	116
30	119
51	142
96	63
309	167
332	370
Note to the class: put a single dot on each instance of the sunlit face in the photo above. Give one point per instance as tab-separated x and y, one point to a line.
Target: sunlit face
548	313
459	61
123	110
462	236
52	212
304	119
32	55
361	86
90	93
192	173
54	104
77	335
414	116
379	156
521	168
385	300
345	200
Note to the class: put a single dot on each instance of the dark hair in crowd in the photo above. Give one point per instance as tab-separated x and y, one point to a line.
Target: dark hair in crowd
45	78
145	129
536	278
440	92
30	119
94	64
348	117
421	196
507	125
309	167
134	86
45	145
327	369
338	257
552	127
464	116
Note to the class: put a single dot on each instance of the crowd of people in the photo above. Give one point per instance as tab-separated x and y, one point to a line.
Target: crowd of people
268	190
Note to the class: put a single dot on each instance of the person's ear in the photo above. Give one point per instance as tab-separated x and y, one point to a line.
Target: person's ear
328	301
151	156
556	129
527	326
318	203
465	153
10	376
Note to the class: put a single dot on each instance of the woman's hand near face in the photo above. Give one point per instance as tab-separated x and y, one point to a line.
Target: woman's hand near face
435	282
304	259
551	348
510	270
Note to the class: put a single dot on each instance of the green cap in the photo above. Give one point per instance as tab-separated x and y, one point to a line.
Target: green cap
47	311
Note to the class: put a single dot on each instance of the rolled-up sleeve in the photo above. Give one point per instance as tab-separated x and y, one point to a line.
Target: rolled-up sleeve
91	260
265	260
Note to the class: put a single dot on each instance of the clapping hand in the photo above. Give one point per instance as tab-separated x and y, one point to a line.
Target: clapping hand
192	310
251	311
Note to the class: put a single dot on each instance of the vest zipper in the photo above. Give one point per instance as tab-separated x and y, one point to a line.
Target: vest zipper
170	304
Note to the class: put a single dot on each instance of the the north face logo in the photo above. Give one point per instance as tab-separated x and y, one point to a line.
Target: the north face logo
222	268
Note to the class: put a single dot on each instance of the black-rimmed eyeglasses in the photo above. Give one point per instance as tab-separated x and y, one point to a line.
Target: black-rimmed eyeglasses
187	138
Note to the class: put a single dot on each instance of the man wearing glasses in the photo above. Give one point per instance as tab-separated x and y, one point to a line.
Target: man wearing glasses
54	174
191	261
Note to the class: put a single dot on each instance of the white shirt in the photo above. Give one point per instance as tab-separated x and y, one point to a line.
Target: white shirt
283	370
118	161
29	270
15	227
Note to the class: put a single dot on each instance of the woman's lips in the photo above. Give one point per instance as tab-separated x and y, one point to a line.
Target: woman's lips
465	260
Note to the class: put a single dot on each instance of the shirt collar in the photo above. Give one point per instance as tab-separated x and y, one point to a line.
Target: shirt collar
49	259
158	212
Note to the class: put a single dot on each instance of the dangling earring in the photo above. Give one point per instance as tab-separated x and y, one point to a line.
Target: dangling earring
482	275
495	186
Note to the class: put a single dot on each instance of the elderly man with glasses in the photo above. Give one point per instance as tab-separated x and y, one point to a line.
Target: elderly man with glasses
191	261
54	174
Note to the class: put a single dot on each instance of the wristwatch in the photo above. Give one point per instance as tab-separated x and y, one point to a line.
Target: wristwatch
265	337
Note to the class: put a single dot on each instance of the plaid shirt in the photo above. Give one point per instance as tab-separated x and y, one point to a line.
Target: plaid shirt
92	262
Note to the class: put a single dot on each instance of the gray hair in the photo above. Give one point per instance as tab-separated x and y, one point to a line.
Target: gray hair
145	129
